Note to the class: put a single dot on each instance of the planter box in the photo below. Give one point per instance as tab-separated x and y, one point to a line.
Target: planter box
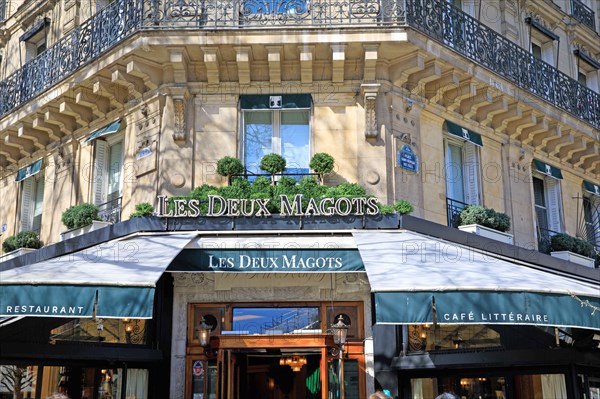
487	232
382	221
96	225
573	257
16	253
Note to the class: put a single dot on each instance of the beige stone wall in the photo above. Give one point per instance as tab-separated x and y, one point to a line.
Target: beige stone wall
432	168
8	211
492	177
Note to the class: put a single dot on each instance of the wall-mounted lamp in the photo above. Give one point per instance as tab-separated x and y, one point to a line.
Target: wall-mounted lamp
458	342
204	330
340	332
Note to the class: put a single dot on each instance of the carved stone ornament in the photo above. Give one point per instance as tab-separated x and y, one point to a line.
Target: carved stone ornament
370	98
179	120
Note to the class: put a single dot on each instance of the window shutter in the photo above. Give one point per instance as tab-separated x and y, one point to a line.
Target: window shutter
596	220
100	172
26	203
471	174
554	204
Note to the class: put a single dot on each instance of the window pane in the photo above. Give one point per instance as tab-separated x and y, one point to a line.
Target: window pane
275	320
37	205
258	138
295	140
454	173
18	381
115	163
538	192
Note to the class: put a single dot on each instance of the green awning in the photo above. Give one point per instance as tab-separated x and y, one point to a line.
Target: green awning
464	133
29	170
114	279
485	307
275	101
591	188
417	279
105	131
546	169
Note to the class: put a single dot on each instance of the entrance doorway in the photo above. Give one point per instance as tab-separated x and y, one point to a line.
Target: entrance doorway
294	375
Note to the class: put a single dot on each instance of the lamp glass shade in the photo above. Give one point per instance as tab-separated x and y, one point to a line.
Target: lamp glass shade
204	330
340	331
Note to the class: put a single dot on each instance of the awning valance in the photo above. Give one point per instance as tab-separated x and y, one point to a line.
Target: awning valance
416	279
591	188
29	170
105	131
117	277
463	133
548	170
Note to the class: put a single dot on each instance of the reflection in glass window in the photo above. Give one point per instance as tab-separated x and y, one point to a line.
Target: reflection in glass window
283	131
116	331
276	320
448	337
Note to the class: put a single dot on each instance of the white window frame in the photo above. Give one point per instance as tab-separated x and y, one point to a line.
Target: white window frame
30	188
102	167
471	169
276	145
553	202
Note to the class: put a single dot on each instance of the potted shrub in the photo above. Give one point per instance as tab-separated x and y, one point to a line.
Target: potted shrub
389	215
20	244
81	219
229	166
485	222
572	249
322	163
142	209
273	164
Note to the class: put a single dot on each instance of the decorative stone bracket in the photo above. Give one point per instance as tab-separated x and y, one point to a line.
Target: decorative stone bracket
180	96
369	92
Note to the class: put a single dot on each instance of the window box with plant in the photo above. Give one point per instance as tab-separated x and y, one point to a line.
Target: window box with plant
81	219
20	244
572	249
485	222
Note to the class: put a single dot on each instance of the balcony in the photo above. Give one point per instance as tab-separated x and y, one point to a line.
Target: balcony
434	18
465	35
583	14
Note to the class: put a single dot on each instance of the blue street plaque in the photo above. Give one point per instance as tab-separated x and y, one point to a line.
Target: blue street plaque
407	159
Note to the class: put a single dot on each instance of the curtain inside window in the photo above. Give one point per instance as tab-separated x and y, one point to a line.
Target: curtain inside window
554	386
137	384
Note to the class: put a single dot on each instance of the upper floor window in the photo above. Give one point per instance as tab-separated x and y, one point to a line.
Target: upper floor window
542	41
461	168
276	124
547	201
32	197
35	39
590	228
588	70
108	168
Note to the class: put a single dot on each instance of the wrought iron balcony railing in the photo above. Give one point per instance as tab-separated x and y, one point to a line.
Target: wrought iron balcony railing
434	18
110	211
465	35
583	14
453	210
